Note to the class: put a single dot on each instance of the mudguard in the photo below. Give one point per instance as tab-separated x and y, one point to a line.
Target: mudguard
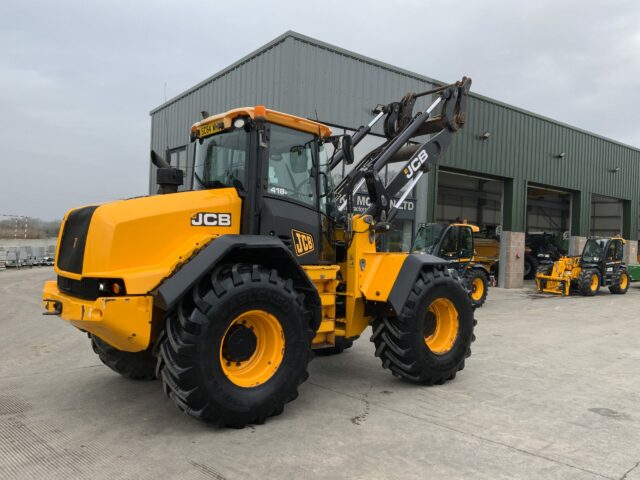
407	276
482	267
229	249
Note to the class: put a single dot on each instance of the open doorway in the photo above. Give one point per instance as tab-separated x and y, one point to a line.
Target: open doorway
606	216
474	199
548	227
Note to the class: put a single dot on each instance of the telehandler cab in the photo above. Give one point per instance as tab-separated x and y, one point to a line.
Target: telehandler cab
454	242
600	265
222	292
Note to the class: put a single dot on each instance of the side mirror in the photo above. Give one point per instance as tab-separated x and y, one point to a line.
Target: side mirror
298	159
168	178
347	150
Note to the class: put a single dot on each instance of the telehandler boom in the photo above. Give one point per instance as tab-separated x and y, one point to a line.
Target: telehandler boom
223	292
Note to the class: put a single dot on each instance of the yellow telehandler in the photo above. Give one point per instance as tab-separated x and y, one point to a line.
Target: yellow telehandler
223	292
454	242
601	264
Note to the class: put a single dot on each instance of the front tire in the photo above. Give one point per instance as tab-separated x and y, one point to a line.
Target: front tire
237	348
134	365
477	285
545	269
588	282
541	283
431	338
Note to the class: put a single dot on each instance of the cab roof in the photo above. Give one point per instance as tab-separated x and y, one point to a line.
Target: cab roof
222	121
474	228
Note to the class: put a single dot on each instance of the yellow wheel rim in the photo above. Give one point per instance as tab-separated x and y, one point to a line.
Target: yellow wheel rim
252	348
441	326
624	280
595	283
477	289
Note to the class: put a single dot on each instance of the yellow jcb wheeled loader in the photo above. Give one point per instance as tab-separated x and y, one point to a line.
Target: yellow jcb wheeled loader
601	264
223	292
454	242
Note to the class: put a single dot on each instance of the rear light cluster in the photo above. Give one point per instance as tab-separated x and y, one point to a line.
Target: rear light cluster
92	288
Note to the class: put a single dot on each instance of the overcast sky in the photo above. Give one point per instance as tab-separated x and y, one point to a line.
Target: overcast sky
78	79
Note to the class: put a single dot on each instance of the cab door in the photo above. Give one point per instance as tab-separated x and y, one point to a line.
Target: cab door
613	260
449	244
457	244
290	206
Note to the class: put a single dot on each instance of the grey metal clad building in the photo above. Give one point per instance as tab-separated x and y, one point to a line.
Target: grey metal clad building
508	170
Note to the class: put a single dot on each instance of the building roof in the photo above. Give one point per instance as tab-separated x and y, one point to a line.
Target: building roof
303	38
341	51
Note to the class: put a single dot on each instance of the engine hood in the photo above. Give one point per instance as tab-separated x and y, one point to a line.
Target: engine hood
142	240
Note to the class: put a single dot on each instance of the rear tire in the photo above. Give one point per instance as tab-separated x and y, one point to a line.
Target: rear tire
478	286
622	286
530	267
588	282
237	347
134	365
402	342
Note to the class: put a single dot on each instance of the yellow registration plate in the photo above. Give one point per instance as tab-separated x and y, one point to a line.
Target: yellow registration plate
210	129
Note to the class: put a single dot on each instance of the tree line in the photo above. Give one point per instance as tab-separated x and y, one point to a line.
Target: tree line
35	228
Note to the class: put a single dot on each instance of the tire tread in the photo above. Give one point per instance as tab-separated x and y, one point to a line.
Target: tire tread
177	354
393	338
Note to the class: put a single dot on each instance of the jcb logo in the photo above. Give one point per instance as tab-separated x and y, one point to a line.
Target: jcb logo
414	165
302	242
203	219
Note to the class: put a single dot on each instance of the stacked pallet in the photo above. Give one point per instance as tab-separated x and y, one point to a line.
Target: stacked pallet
3	259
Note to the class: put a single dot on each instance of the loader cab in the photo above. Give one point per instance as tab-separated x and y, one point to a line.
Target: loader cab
277	164
602	253
452	242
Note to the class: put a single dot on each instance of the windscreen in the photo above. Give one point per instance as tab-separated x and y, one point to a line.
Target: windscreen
594	250
221	161
427	238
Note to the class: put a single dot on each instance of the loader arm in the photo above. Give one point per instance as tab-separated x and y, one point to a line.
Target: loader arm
400	127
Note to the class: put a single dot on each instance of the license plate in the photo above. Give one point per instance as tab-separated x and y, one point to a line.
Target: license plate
210	129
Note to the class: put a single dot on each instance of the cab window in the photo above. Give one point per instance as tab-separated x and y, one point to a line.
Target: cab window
291	165
615	251
466	242
449	247
327	205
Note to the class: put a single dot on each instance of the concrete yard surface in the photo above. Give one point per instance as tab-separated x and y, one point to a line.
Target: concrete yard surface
552	390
